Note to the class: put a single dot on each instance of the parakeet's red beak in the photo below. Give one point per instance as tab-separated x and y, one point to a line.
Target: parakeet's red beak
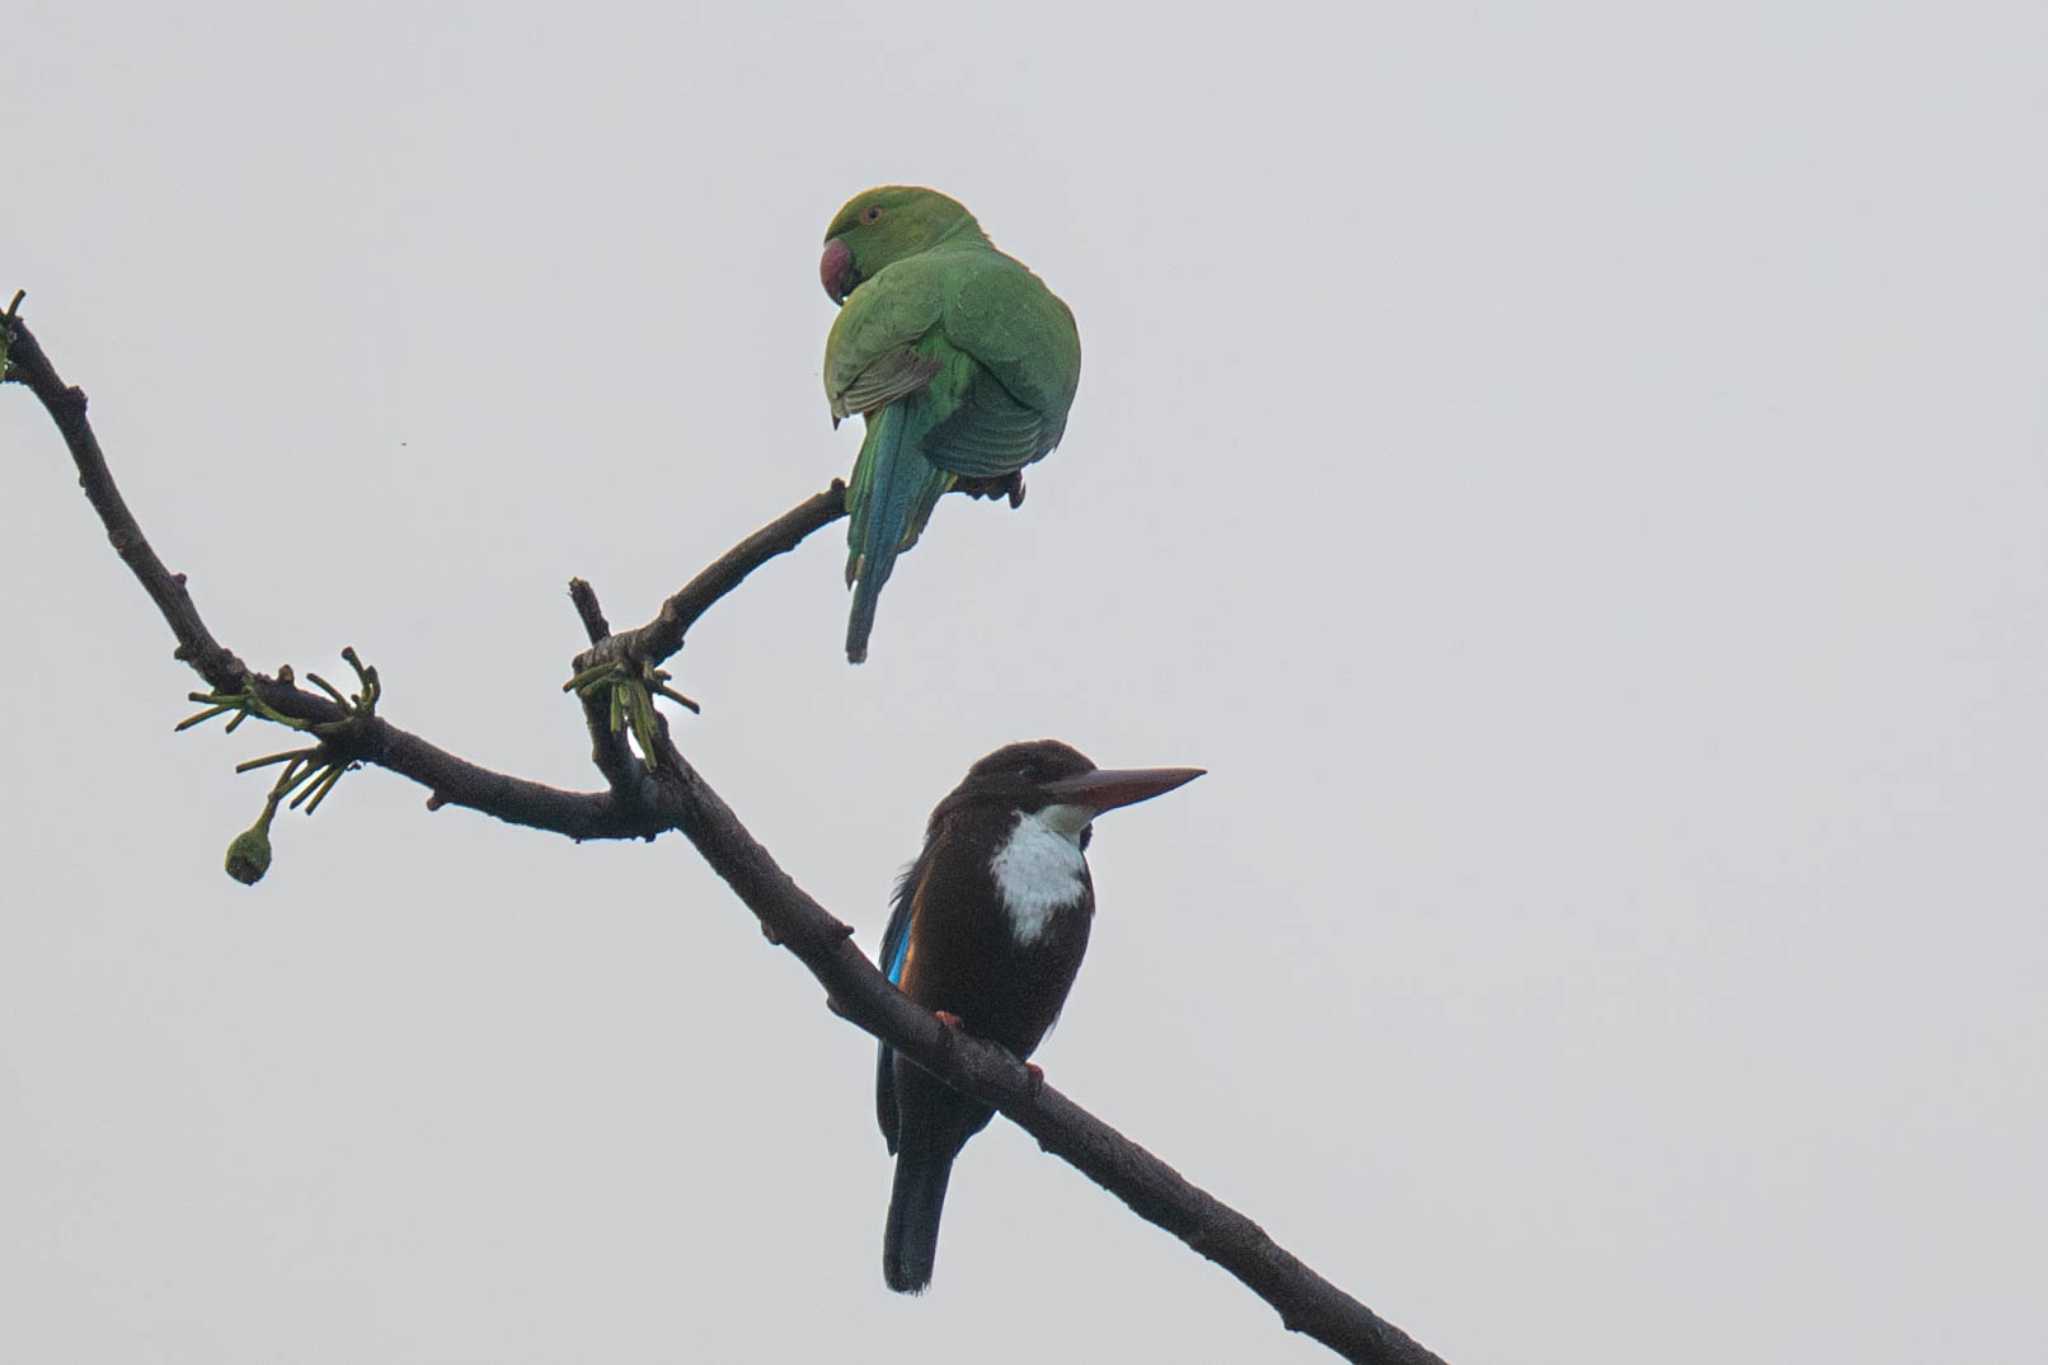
837	271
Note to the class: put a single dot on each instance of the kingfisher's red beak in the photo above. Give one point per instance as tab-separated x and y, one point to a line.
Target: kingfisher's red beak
837	272
1107	788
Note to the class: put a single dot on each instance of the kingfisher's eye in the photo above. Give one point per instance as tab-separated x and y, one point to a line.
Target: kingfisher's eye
871	214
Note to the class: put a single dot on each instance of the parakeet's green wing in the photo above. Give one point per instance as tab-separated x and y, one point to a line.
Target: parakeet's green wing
1011	408
988	434
870	356
1005	317
893	375
1027	358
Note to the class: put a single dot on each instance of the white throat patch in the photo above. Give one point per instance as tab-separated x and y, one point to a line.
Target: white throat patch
1039	870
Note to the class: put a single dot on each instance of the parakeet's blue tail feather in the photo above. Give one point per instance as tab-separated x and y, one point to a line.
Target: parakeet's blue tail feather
894	490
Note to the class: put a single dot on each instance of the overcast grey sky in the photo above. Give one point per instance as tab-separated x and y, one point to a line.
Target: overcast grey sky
1573	473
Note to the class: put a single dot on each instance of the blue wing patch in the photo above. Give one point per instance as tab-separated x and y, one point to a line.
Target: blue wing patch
896	938
895	953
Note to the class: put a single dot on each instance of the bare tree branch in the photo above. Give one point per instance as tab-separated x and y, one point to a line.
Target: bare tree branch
66	405
654	642
666	792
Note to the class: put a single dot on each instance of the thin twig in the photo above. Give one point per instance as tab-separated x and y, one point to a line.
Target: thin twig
661	637
585	599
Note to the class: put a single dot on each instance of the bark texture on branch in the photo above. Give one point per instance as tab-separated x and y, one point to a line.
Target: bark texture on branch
644	800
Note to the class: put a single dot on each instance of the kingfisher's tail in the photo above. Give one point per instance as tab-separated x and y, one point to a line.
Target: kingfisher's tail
911	1241
893	492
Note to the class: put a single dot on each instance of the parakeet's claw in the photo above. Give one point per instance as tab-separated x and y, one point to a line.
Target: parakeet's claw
1009	486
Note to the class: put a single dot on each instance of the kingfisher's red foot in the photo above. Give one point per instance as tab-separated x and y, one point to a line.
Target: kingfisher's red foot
1037	1075
948	1018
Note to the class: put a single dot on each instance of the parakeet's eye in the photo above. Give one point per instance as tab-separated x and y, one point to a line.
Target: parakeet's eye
871	214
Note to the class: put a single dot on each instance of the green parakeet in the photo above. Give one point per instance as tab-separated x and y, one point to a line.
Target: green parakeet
963	363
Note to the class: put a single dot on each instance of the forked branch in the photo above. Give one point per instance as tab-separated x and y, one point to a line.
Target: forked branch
646	797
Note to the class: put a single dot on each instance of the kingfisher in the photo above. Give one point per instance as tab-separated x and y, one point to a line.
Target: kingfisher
963	363
988	931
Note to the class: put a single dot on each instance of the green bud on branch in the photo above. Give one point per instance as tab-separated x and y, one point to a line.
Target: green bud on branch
249	854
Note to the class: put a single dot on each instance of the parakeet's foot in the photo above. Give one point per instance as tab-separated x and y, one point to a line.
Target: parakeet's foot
948	1018
1010	486
1037	1075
